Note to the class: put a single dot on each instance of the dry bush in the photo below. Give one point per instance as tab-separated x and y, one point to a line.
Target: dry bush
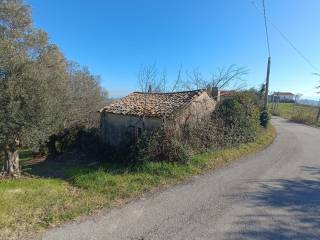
275	112
162	145
301	116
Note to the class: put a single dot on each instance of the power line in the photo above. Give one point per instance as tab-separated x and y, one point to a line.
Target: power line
266	26
307	60
269	58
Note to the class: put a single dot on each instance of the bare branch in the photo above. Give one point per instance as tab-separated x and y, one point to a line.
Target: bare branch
178	84
160	85
147	77
195	80
232	76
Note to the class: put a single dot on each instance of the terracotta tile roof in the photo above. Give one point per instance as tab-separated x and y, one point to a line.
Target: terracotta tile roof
227	93
151	104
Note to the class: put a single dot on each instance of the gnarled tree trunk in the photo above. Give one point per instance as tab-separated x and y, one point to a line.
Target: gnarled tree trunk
53	152
11	163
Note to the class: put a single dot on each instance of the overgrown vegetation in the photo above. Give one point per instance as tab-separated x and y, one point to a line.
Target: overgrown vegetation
234	122
52	192
297	113
31	204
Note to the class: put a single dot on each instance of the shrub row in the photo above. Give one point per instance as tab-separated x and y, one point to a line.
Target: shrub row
235	121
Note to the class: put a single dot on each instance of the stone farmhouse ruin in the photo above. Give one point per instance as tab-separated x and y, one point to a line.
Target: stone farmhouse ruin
123	120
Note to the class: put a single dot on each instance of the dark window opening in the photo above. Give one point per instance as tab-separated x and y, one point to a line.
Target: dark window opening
134	133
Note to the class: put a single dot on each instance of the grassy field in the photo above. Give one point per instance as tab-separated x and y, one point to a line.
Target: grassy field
298	113
32	204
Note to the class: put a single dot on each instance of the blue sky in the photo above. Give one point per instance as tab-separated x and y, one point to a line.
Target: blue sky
115	37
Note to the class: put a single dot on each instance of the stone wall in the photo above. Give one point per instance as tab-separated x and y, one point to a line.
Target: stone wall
198	109
119	129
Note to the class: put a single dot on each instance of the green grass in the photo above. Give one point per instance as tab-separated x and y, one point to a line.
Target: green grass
297	113
33	204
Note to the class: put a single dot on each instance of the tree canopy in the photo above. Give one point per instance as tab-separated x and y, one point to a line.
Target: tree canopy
41	92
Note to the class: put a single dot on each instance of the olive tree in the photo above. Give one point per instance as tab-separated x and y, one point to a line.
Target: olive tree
32	84
86	97
41	92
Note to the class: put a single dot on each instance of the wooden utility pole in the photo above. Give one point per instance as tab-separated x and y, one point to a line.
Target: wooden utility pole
269	58
267	85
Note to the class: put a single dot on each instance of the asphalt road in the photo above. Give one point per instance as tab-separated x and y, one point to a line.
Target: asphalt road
274	194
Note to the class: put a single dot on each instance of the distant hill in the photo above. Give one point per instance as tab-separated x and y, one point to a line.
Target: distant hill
308	102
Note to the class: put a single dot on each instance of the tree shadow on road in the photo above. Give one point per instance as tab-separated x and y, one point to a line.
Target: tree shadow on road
297	200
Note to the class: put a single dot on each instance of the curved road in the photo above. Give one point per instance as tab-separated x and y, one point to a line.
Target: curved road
274	194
